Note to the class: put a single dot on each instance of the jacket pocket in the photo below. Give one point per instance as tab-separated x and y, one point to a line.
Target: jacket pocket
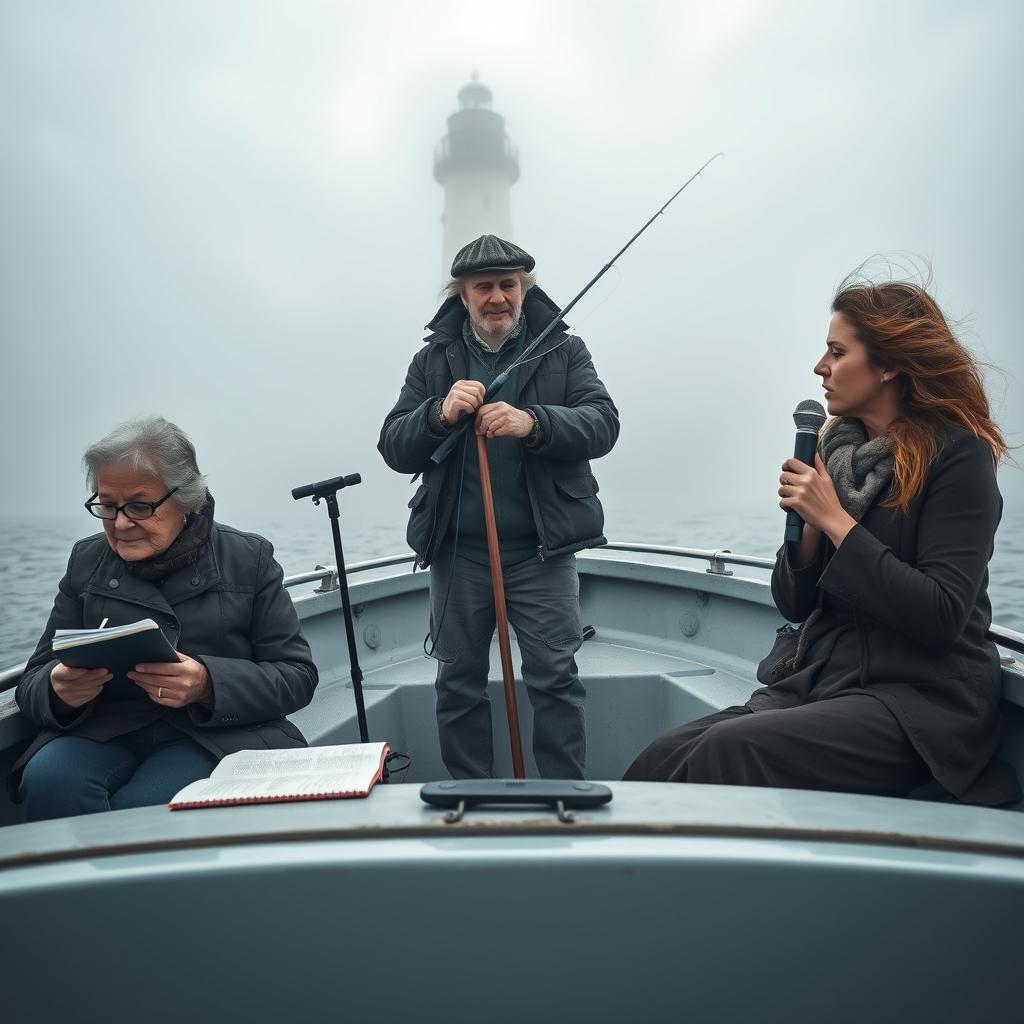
419	497
421	521
778	662
572	512
579	486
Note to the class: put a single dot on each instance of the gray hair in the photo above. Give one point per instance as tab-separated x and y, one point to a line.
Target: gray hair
152	445
454	286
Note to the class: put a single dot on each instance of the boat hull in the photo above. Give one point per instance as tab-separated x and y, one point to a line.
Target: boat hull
688	902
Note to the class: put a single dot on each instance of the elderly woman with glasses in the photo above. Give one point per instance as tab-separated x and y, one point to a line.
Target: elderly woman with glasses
216	594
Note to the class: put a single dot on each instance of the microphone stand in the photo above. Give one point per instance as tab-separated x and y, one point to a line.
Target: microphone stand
327	490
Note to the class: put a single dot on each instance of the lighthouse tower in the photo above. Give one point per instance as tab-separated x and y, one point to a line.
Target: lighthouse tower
477	165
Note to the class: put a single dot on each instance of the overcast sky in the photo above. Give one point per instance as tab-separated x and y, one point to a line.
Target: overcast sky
225	213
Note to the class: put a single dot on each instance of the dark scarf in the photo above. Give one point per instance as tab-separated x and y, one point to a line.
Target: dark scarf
861	469
183	550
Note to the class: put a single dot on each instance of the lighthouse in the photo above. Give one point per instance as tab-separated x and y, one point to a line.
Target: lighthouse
477	164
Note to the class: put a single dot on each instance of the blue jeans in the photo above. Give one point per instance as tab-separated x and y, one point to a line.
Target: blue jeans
73	775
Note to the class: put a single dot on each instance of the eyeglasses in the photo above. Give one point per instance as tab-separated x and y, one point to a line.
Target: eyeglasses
134	510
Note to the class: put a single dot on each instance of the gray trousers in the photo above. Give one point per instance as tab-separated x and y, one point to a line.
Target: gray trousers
543	604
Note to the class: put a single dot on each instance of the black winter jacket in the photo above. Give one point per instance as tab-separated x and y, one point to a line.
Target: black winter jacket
915	586
577	419
227	610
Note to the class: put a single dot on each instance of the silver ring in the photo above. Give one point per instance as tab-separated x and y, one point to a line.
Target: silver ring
159	693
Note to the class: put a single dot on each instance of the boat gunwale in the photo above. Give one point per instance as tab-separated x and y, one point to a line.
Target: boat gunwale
531	828
717	558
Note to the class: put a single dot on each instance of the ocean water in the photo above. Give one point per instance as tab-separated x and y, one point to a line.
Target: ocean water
34	553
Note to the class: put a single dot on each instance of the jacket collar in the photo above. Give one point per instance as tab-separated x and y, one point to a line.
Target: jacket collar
539	309
112	579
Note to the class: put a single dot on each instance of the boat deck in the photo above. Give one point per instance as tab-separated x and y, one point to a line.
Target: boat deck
630	693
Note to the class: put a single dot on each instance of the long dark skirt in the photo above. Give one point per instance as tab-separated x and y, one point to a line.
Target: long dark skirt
847	744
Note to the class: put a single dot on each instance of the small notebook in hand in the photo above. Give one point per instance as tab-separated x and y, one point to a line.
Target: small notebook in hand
272	776
116	648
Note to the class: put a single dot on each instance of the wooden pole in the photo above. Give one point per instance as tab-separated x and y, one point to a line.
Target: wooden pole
500	614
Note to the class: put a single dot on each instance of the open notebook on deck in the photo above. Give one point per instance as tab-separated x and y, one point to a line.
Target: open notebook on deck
269	776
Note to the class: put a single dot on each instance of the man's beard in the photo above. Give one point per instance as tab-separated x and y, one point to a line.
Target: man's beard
496	334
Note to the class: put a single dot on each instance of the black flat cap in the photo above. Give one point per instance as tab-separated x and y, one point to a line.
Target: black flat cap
489	252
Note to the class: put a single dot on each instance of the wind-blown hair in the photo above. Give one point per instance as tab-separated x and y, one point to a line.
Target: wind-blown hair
905	332
152	445
454	286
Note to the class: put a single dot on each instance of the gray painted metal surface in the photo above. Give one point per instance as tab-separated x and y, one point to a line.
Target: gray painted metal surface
674	902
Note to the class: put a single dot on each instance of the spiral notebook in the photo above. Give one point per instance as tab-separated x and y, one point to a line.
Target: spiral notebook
270	776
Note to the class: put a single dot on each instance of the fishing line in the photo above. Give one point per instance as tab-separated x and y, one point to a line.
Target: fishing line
547	351
434	635
554	348
444	449
589	315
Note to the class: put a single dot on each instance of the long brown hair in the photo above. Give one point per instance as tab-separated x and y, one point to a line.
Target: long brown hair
904	330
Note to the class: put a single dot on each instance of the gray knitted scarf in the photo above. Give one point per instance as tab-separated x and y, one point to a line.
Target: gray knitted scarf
861	469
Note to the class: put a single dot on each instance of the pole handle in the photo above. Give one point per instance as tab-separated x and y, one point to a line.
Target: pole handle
500	612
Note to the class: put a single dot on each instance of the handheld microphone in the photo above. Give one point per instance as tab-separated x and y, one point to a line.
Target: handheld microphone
324	487
809	418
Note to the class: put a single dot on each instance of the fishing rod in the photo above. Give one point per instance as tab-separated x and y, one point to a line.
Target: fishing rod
444	449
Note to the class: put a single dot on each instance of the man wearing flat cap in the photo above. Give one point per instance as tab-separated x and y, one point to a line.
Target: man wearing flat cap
550	418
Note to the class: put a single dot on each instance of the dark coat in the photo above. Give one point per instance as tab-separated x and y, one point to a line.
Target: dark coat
905	614
577	420
227	610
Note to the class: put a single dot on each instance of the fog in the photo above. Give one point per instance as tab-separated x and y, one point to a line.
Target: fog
225	214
